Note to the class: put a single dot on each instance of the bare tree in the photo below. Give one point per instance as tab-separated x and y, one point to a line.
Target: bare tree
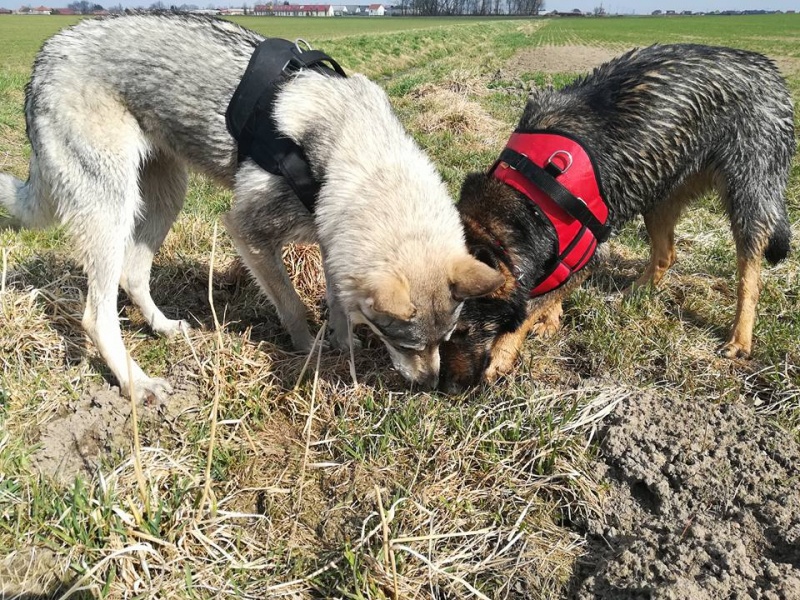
525	7
83	7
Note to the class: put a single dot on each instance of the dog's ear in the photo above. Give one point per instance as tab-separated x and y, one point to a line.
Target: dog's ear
471	278
485	255
473	188
389	295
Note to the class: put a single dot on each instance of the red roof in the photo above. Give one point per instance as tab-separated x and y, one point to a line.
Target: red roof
41	9
301	7
375	6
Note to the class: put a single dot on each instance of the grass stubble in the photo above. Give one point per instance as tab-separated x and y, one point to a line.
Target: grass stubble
274	475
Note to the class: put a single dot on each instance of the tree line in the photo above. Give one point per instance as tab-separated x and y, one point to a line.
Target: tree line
432	8
428	8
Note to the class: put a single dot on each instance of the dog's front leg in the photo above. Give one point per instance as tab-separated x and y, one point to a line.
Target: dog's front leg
339	324
543	322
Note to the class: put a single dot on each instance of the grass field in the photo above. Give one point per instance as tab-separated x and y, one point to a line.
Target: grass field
316	487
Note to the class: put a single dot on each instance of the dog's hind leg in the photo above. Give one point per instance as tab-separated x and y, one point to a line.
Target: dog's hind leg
102	234
93	161
754	198
163	182
740	341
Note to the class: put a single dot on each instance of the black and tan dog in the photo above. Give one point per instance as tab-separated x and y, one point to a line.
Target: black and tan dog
643	134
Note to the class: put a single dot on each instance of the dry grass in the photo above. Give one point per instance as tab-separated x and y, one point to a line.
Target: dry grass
445	108
271	474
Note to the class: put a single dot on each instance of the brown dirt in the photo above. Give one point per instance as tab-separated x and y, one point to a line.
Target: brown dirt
30	574
788	65
98	425
558	59
703	504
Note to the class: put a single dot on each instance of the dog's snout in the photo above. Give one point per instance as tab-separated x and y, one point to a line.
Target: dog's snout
428	381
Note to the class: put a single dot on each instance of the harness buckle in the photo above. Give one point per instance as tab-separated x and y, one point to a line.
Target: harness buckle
506	165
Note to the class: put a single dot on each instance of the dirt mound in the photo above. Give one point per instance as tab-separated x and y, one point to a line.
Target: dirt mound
98	424
703	504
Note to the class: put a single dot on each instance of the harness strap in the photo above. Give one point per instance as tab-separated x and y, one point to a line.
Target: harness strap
250	120
573	205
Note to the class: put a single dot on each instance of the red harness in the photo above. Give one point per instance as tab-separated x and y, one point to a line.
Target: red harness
557	174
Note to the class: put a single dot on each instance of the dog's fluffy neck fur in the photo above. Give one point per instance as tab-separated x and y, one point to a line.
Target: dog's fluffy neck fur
407	221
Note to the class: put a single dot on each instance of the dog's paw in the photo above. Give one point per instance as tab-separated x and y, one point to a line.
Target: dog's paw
733	349
549	324
150	391
169	328
502	363
547	327
340	340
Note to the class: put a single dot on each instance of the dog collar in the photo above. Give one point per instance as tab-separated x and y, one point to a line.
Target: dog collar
249	115
556	173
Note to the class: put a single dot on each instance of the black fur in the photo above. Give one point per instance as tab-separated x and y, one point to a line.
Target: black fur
663	123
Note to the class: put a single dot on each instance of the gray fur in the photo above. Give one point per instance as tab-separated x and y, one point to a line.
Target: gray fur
119	109
662	117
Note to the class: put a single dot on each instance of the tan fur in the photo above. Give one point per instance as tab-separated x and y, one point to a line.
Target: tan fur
388	294
471	278
660	224
740	342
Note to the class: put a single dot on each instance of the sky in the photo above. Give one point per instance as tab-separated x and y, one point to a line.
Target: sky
648	6
611	6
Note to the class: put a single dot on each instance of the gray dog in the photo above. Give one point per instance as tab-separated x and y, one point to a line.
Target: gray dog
117	111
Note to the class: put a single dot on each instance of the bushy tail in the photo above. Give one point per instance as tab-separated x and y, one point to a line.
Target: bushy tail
779	242
23	202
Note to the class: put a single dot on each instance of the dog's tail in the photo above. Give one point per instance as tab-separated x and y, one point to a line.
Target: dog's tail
779	242
23	200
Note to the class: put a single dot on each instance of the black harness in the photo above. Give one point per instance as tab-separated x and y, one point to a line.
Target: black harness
250	120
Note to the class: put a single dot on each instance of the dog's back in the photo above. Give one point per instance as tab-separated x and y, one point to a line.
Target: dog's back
167	72
661	117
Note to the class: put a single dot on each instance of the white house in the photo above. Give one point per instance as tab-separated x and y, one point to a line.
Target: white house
376	10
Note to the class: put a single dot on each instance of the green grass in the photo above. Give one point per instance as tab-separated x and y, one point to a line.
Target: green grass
779	34
311	29
297	471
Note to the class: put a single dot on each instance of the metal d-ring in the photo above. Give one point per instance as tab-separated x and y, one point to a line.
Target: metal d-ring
299	41
556	153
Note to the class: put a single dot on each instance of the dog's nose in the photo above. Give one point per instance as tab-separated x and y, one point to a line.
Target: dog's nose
429	381
451	385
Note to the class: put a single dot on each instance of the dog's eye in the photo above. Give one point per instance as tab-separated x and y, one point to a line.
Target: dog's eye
411	347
